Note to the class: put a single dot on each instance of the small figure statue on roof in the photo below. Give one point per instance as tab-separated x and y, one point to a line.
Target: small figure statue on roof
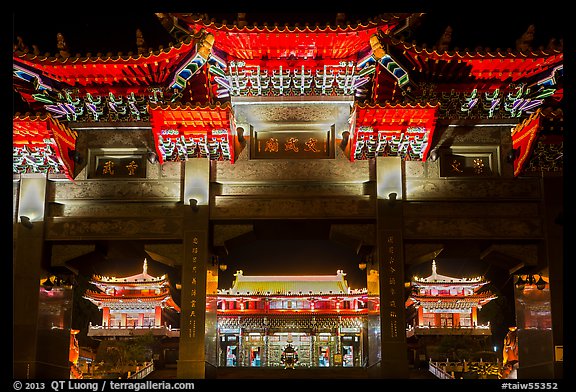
241	20
140	42
340	18
20	45
445	40
555	44
524	43
62	45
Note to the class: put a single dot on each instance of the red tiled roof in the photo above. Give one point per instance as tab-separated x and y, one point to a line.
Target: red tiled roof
273	42
498	65
36	130
142	69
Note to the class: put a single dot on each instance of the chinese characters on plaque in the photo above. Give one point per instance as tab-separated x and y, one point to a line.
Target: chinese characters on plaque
292	144
466	165
125	166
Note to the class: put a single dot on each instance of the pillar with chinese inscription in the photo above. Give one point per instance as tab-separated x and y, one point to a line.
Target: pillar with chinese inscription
194	358
390	258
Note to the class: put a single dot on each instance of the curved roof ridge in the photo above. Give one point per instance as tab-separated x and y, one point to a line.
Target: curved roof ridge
288	278
389	104
150	53
190	105
438	278
142	277
292	27
508	52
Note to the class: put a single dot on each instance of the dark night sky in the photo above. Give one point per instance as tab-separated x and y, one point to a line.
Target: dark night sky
115	31
292	257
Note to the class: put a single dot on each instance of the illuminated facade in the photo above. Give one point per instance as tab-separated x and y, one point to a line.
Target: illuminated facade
446	304
133	305
187	149
320	316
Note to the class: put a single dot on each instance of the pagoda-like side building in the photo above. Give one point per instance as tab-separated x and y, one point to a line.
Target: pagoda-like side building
133	305
320	316
444	305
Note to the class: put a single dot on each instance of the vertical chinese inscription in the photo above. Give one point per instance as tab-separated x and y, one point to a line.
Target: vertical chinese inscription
193	280
392	285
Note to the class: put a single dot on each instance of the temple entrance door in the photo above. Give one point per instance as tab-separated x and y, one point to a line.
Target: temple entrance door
255	356
348	356
231	356
324	357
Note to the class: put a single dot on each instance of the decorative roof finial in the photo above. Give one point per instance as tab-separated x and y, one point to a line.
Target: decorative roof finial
145	267
20	45
445	40
524	43
433	267
140	42
241	20
62	45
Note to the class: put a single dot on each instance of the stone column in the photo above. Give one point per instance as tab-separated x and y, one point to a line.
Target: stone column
390	258
192	353
27	270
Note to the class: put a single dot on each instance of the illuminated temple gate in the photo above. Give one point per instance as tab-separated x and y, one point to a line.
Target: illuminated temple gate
320	316
186	151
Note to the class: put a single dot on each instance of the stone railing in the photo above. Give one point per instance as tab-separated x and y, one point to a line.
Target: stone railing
156	330
456	369
458	330
142	373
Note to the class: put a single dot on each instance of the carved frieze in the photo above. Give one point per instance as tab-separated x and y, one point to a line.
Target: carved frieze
120	228
101	209
339	169
471	210
467	228
459	189
291	188
226	207
115	190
